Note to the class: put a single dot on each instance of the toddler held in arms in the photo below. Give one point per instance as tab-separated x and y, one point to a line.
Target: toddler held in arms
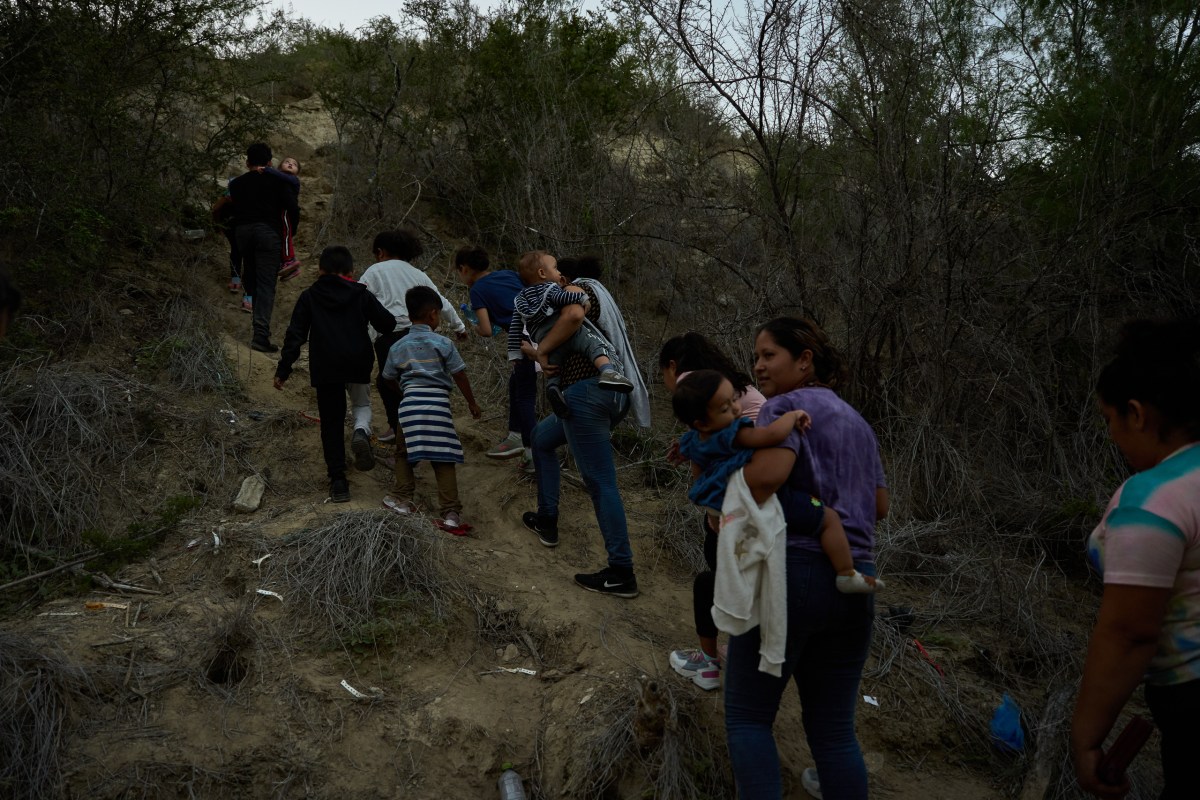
721	441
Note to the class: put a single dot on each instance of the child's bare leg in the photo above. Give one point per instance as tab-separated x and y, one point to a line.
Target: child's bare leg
837	547
601	361
708	644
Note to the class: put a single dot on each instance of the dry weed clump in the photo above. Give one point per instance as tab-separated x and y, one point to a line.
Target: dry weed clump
499	623
682	756
66	433
348	568
38	691
194	356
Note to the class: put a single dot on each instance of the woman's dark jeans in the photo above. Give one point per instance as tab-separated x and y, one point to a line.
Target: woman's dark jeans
829	636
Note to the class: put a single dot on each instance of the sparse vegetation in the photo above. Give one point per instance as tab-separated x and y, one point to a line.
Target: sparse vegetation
968	199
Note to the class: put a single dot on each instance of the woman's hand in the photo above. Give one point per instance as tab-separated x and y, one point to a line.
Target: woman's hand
801	421
532	353
1087	765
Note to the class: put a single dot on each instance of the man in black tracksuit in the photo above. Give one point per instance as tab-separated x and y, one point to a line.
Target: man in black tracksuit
260	199
332	316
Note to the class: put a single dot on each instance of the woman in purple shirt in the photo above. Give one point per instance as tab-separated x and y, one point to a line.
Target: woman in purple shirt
829	633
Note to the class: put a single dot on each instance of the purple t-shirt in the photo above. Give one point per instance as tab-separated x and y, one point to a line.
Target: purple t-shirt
837	461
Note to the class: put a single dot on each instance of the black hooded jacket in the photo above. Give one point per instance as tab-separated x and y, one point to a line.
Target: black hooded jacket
332	316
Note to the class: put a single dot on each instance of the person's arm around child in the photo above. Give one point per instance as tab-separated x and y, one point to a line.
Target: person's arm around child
774	434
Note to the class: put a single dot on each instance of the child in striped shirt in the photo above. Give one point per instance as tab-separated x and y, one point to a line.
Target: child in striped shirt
427	366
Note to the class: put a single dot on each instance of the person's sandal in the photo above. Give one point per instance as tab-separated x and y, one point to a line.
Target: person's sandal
401	507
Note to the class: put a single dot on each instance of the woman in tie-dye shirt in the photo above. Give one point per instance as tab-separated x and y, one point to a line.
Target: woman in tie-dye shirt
1147	547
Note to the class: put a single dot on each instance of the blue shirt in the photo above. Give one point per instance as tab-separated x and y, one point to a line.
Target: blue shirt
423	358
496	291
718	457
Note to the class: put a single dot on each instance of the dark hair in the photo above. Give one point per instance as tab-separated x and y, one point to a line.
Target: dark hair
691	351
402	244
10	298
797	335
258	154
528	266
336	260
1157	363
474	258
690	401
420	300
581	267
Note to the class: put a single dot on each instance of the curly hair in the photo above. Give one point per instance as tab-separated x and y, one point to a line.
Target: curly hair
401	244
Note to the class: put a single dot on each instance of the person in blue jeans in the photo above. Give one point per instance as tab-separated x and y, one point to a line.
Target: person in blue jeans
828	633
595	411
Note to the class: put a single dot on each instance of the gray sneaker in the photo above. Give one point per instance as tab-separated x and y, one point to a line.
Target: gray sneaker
364	456
615	382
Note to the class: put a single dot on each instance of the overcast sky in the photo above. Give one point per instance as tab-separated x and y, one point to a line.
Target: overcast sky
350	14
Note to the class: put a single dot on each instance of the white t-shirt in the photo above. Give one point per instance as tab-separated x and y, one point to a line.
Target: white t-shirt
390	280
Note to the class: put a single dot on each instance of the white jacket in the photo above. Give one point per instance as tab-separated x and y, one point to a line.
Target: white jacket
751	579
390	280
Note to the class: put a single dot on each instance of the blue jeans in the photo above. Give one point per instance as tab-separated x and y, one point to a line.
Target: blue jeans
594	413
829	636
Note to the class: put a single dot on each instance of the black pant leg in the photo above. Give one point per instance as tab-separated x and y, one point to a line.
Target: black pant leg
331	407
390	398
1175	709
704	585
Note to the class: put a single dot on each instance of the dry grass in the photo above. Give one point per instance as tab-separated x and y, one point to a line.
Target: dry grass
194	356
66	434
39	689
347	569
608	754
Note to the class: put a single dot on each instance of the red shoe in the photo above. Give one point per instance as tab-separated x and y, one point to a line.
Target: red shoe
247	304
289	270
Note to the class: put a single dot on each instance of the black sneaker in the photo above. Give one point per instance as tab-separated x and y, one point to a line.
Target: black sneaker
339	490
545	527
617	581
558	403
263	346
360	445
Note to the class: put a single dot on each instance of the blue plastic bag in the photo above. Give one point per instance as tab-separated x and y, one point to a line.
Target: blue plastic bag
1006	726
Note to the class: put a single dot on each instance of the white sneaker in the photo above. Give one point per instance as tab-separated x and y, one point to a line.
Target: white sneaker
811	783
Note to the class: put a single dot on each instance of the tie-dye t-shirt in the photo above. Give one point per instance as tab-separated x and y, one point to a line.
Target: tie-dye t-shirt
1150	536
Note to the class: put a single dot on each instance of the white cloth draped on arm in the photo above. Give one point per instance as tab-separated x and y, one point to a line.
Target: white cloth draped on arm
751	580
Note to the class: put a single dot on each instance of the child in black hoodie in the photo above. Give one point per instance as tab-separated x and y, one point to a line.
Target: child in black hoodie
332	316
